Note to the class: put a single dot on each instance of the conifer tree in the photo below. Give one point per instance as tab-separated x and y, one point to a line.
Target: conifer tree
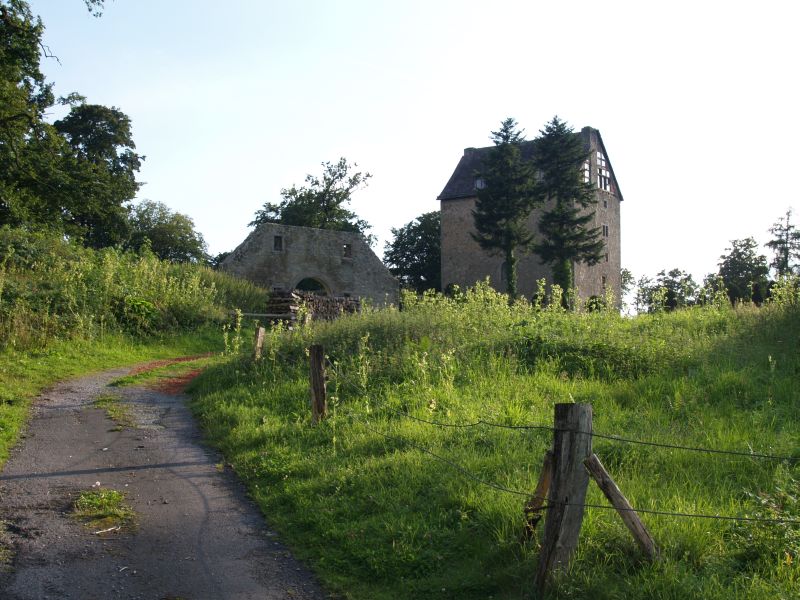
506	196
785	245
566	234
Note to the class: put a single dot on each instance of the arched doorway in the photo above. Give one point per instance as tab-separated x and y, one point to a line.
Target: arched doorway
310	284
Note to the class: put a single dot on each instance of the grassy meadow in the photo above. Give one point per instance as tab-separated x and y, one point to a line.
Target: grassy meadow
362	499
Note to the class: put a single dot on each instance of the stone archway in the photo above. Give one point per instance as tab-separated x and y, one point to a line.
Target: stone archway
312	285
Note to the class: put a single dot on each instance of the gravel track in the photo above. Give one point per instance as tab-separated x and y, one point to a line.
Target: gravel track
197	536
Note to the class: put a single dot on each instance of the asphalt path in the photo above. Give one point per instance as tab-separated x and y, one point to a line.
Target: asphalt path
196	535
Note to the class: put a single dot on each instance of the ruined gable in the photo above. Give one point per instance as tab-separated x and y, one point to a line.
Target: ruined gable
337	263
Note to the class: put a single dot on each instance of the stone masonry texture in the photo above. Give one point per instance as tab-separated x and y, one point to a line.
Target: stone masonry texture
341	261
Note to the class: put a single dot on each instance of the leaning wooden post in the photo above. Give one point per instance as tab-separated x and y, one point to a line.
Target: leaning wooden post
259	345
533	507
624	508
572	444
319	395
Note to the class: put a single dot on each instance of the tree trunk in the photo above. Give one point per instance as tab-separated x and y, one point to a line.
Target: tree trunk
563	275
511	274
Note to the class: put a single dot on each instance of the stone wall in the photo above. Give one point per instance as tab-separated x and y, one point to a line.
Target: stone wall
464	262
279	257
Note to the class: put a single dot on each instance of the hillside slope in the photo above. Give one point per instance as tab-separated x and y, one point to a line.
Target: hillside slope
388	497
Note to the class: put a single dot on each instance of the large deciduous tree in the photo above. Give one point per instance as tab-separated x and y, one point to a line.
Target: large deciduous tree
321	203
24	96
785	245
414	255
669	291
75	176
506	197
170	235
104	165
566	235
744	271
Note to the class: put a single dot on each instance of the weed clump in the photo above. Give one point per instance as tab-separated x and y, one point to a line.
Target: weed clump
103	509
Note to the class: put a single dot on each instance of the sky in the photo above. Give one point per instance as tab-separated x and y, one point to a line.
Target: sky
697	103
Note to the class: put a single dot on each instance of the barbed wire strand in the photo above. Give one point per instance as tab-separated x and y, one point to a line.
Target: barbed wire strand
613	438
501	488
449	462
667	513
616	438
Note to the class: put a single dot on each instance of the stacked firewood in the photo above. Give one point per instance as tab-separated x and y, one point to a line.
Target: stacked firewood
291	306
284	306
327	308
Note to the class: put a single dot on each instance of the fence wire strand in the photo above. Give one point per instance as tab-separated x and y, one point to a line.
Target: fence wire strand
502	488
449	462
613	438
689	515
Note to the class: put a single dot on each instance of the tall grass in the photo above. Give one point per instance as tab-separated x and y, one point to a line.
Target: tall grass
50	288
361	497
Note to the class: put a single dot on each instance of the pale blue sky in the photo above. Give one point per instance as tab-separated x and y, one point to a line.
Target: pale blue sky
230	102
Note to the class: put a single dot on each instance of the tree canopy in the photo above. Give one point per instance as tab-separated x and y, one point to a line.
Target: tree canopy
75	176
321	203
669	291
414	254
566	236
169	235
744	271
506	196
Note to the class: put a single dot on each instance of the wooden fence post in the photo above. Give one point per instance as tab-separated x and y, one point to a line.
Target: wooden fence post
260	333
319	395
624	508
572	444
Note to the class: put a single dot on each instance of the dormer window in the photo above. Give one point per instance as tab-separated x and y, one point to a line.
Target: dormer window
347	250
480	183
603	173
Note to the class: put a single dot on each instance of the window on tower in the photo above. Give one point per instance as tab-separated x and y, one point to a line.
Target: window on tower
603	173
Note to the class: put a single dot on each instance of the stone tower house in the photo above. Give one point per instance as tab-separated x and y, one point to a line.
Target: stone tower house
463	260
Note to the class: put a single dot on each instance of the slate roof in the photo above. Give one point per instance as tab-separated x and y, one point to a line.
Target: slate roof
462	181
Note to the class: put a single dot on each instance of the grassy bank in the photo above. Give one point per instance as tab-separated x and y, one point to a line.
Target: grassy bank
362	498
51	290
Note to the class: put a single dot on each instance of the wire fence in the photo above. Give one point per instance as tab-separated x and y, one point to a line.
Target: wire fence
496	486
613	438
